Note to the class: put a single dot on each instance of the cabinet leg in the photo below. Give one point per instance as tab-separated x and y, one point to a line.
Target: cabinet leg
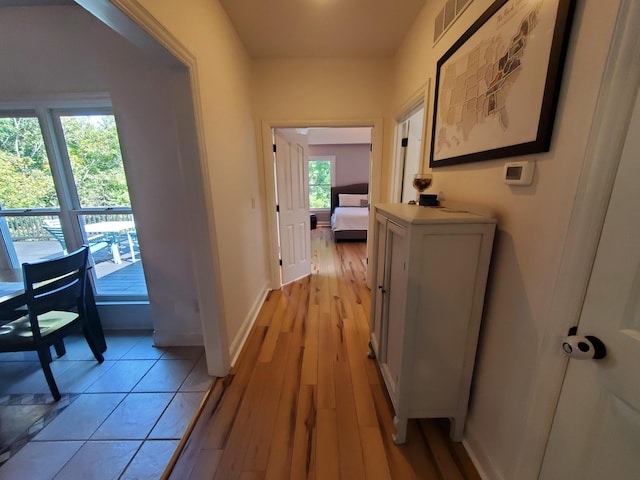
400	436
371	353
457	429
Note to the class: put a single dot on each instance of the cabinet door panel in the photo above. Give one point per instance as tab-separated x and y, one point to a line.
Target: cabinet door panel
442	324
380	237
396	294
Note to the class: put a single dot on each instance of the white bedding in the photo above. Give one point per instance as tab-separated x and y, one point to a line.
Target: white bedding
350	218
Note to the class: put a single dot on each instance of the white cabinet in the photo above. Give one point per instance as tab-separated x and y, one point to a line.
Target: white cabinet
430	266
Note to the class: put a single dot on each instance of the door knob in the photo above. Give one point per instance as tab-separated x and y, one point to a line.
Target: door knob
582	348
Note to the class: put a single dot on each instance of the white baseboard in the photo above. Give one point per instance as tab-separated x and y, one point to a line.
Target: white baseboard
482	463
235	347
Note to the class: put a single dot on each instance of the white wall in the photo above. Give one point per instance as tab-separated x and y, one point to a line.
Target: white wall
48	60
533	222
222	74
352	161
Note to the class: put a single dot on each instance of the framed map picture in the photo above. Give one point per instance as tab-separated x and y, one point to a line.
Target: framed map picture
497	87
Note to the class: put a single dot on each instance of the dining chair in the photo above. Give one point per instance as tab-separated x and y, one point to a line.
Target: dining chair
55	307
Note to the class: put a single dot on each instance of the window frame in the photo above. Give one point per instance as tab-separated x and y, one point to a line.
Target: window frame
70	212
332	161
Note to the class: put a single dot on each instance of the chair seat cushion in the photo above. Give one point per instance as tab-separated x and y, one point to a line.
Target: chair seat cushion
20	329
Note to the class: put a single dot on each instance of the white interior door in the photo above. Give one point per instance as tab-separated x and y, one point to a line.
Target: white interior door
596	428
293	204
412	154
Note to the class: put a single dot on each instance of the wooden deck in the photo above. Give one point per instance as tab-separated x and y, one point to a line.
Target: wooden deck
126	278
304	401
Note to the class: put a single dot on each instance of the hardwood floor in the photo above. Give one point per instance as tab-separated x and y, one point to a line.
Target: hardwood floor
304	401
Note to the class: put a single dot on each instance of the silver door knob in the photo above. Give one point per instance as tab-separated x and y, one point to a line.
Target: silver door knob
582	348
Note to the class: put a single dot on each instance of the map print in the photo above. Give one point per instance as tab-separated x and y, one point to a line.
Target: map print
476	86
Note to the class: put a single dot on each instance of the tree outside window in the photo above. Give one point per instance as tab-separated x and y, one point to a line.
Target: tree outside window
321	173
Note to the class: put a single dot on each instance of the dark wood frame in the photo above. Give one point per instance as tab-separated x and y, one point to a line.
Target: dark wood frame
547	112
355	188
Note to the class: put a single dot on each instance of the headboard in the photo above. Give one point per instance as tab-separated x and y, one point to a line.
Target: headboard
358	188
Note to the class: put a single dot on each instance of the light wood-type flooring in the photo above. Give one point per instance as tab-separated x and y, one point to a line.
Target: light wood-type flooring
304	401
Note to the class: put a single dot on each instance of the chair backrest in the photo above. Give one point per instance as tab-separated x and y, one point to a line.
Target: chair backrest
57	284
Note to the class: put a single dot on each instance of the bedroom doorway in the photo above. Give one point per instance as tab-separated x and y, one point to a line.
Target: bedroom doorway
334	156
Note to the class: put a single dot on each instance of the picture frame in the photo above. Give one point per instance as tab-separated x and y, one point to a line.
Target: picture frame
497	87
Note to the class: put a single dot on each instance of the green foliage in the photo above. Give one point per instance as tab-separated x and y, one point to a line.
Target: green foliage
24	169
96	160
94	153
320	184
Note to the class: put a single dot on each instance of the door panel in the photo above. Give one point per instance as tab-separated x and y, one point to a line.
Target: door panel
293	203
596	429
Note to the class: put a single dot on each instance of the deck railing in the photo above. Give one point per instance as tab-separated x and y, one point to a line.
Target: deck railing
30	228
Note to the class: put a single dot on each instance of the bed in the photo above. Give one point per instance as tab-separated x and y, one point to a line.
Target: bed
350	212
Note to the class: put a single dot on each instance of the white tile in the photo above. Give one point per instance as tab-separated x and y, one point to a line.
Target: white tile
124	375
193	353
82	418
174	421
151	460
119	345
99	461
165	376
198	379
135	417
33	381
81	374
143	350
77	348
39	460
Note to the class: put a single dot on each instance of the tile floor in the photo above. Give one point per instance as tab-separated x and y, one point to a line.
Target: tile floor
121	419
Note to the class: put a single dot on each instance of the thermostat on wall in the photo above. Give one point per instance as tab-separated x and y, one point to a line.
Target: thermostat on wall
519	173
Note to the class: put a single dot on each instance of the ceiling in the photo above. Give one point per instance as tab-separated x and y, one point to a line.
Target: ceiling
310	28
322	28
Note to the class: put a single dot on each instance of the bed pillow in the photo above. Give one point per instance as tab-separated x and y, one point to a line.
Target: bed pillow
352	200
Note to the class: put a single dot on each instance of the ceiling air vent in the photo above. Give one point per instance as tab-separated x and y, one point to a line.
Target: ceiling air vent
445	17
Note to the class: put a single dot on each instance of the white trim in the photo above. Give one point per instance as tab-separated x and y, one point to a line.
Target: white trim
135	23
235	347
420	98
482	463
618	90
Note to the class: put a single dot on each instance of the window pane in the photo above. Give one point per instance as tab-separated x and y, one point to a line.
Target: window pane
24	167
96	160
320	172
113	241
319	196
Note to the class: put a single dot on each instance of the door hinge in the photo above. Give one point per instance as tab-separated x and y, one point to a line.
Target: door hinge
280	262
405	142
274	148
277	208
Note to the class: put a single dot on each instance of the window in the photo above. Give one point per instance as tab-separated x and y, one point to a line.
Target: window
63	185
321	176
